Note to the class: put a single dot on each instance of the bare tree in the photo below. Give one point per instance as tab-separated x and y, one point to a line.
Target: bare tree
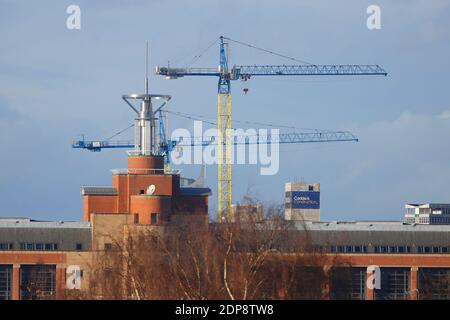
250	259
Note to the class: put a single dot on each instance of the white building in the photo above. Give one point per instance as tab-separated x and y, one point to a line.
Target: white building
427	213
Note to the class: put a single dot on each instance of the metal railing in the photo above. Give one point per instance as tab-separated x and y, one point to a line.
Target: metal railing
145	171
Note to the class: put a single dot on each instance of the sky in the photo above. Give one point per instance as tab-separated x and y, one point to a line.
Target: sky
56	84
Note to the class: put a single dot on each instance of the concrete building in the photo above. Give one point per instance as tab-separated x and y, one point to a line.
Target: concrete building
247	212
302	201
427	213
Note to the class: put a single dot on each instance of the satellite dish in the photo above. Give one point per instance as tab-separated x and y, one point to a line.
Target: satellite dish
151	189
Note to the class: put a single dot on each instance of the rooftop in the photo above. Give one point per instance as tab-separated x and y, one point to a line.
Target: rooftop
395	226
20	222
428	205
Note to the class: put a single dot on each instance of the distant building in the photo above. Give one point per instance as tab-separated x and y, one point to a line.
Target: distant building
427	213
302	201
247	212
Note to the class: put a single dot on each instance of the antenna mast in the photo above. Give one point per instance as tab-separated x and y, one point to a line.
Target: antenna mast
144	133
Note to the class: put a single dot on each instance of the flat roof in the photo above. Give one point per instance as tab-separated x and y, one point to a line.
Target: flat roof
195	191
12	222
105	191
395	226
428	205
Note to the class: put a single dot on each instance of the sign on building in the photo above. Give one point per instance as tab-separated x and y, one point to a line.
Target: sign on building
306	199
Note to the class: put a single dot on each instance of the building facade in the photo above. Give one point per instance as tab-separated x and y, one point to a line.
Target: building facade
427	213
43	260
302	201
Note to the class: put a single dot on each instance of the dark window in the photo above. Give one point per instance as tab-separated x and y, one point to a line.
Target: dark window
30	246
401	249
444	250
392	249
108	246
48	246
364	249
136	218
39	246
5	282
435	249
55	246
141	191
6	246
311	188
153	218
37	282
357	249
340	249
348	249
79	246
408	249
426	249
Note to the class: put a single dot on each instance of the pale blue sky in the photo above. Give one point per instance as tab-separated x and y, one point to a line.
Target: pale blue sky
56	83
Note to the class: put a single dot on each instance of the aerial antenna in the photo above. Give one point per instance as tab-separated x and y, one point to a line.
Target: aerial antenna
146	68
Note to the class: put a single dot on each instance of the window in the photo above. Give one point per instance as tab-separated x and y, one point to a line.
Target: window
48	246
108	246
392	249
424	249
79	246
381	249
311	188
141	191
435	249
153	218
39	246
401	249
136	218
444	249
6	246
30	246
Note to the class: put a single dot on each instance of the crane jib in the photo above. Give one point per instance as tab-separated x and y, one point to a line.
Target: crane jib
245	72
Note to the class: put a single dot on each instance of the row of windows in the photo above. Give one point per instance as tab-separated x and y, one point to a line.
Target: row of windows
427	220
32	246
387	249
348	249
6	246
440	220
